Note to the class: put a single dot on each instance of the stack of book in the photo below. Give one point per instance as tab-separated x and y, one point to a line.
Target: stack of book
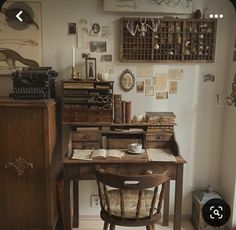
162	118
122	110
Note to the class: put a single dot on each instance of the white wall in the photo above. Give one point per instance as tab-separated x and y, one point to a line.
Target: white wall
199	129
228	157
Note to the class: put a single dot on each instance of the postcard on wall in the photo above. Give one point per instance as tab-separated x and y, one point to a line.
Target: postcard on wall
20	43
175	74
148	81
161	95
170	6
140	86
145	70
110	69
149	90
82	37
98	46
106	31
161	82
173	87
106	57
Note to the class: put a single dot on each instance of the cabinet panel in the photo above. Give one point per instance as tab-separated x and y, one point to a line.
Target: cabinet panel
26	152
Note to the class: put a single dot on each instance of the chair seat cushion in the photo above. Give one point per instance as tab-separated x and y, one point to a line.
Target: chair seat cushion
130	202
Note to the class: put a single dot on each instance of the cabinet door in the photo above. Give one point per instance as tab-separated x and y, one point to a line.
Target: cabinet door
22	173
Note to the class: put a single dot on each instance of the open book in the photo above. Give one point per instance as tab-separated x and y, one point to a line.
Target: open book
89	154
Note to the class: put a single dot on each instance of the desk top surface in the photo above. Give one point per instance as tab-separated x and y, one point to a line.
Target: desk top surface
126	159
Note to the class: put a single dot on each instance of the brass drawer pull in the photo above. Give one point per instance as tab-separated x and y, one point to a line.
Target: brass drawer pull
19	165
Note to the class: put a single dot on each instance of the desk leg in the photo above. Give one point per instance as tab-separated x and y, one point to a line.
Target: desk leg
67	200
178	197
75	204
166	205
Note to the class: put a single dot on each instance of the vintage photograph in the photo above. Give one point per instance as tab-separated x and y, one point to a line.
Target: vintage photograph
98	46
148	82
149	90
106	31
106	57
140	86
127	80
162	95
91	70
71	28
95	29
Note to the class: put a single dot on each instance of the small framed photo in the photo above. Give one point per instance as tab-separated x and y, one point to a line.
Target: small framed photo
91	69
95	29
71	28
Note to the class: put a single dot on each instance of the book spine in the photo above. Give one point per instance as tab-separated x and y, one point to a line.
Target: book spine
117	108
128	112
123	111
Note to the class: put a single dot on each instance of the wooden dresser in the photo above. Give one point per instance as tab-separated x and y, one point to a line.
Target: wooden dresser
29	164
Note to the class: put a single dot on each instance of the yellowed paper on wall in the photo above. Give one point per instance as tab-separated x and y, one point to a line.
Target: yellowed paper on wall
175	74
145	70
161	82
173	87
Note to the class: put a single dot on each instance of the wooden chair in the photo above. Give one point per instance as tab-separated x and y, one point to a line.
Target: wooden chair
130	200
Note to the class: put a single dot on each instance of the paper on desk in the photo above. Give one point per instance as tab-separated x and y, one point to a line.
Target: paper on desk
160	155
81	154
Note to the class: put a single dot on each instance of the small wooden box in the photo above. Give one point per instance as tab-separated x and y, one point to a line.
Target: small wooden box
199	198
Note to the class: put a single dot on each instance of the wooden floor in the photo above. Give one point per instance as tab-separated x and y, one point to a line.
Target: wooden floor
98	225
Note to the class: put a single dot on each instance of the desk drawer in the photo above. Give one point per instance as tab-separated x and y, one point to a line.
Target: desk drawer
158	136
121	143
158	144
86	145
85	136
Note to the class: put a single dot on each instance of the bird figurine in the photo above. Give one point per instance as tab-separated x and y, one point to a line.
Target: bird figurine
197	14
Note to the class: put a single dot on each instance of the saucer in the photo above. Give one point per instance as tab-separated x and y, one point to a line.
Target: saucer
136	152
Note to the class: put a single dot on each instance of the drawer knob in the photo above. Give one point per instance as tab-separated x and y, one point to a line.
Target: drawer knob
19	166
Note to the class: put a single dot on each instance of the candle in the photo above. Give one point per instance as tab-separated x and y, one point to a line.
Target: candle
73	56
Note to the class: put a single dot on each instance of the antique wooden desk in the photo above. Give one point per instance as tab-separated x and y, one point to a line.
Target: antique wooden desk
75	170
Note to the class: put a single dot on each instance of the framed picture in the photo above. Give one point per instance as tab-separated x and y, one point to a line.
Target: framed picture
20	43
71	28
95	29
91	69
127	80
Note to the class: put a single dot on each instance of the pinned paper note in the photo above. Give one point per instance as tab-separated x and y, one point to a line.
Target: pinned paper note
82	37
175	74
173	87
149	90
145	70
161	81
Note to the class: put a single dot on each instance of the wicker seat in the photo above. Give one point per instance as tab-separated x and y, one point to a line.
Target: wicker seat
130	200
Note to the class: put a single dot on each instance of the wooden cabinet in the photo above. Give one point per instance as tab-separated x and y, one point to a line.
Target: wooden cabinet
29	165
175	40
87	101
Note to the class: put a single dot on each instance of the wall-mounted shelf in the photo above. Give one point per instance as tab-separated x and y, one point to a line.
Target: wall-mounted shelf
176	40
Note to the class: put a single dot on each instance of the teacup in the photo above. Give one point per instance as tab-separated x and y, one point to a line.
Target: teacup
135	147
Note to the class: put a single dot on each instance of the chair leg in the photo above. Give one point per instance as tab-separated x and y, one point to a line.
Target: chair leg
105	226
112	227
153	227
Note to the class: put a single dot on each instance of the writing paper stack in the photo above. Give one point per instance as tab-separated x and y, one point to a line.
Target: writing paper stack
160	155
89	154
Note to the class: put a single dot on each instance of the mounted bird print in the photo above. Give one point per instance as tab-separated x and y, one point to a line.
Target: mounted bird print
20	36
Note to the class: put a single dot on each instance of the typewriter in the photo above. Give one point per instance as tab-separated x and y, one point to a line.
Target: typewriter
34	83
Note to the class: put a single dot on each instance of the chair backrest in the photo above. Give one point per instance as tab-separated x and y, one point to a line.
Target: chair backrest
136	183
